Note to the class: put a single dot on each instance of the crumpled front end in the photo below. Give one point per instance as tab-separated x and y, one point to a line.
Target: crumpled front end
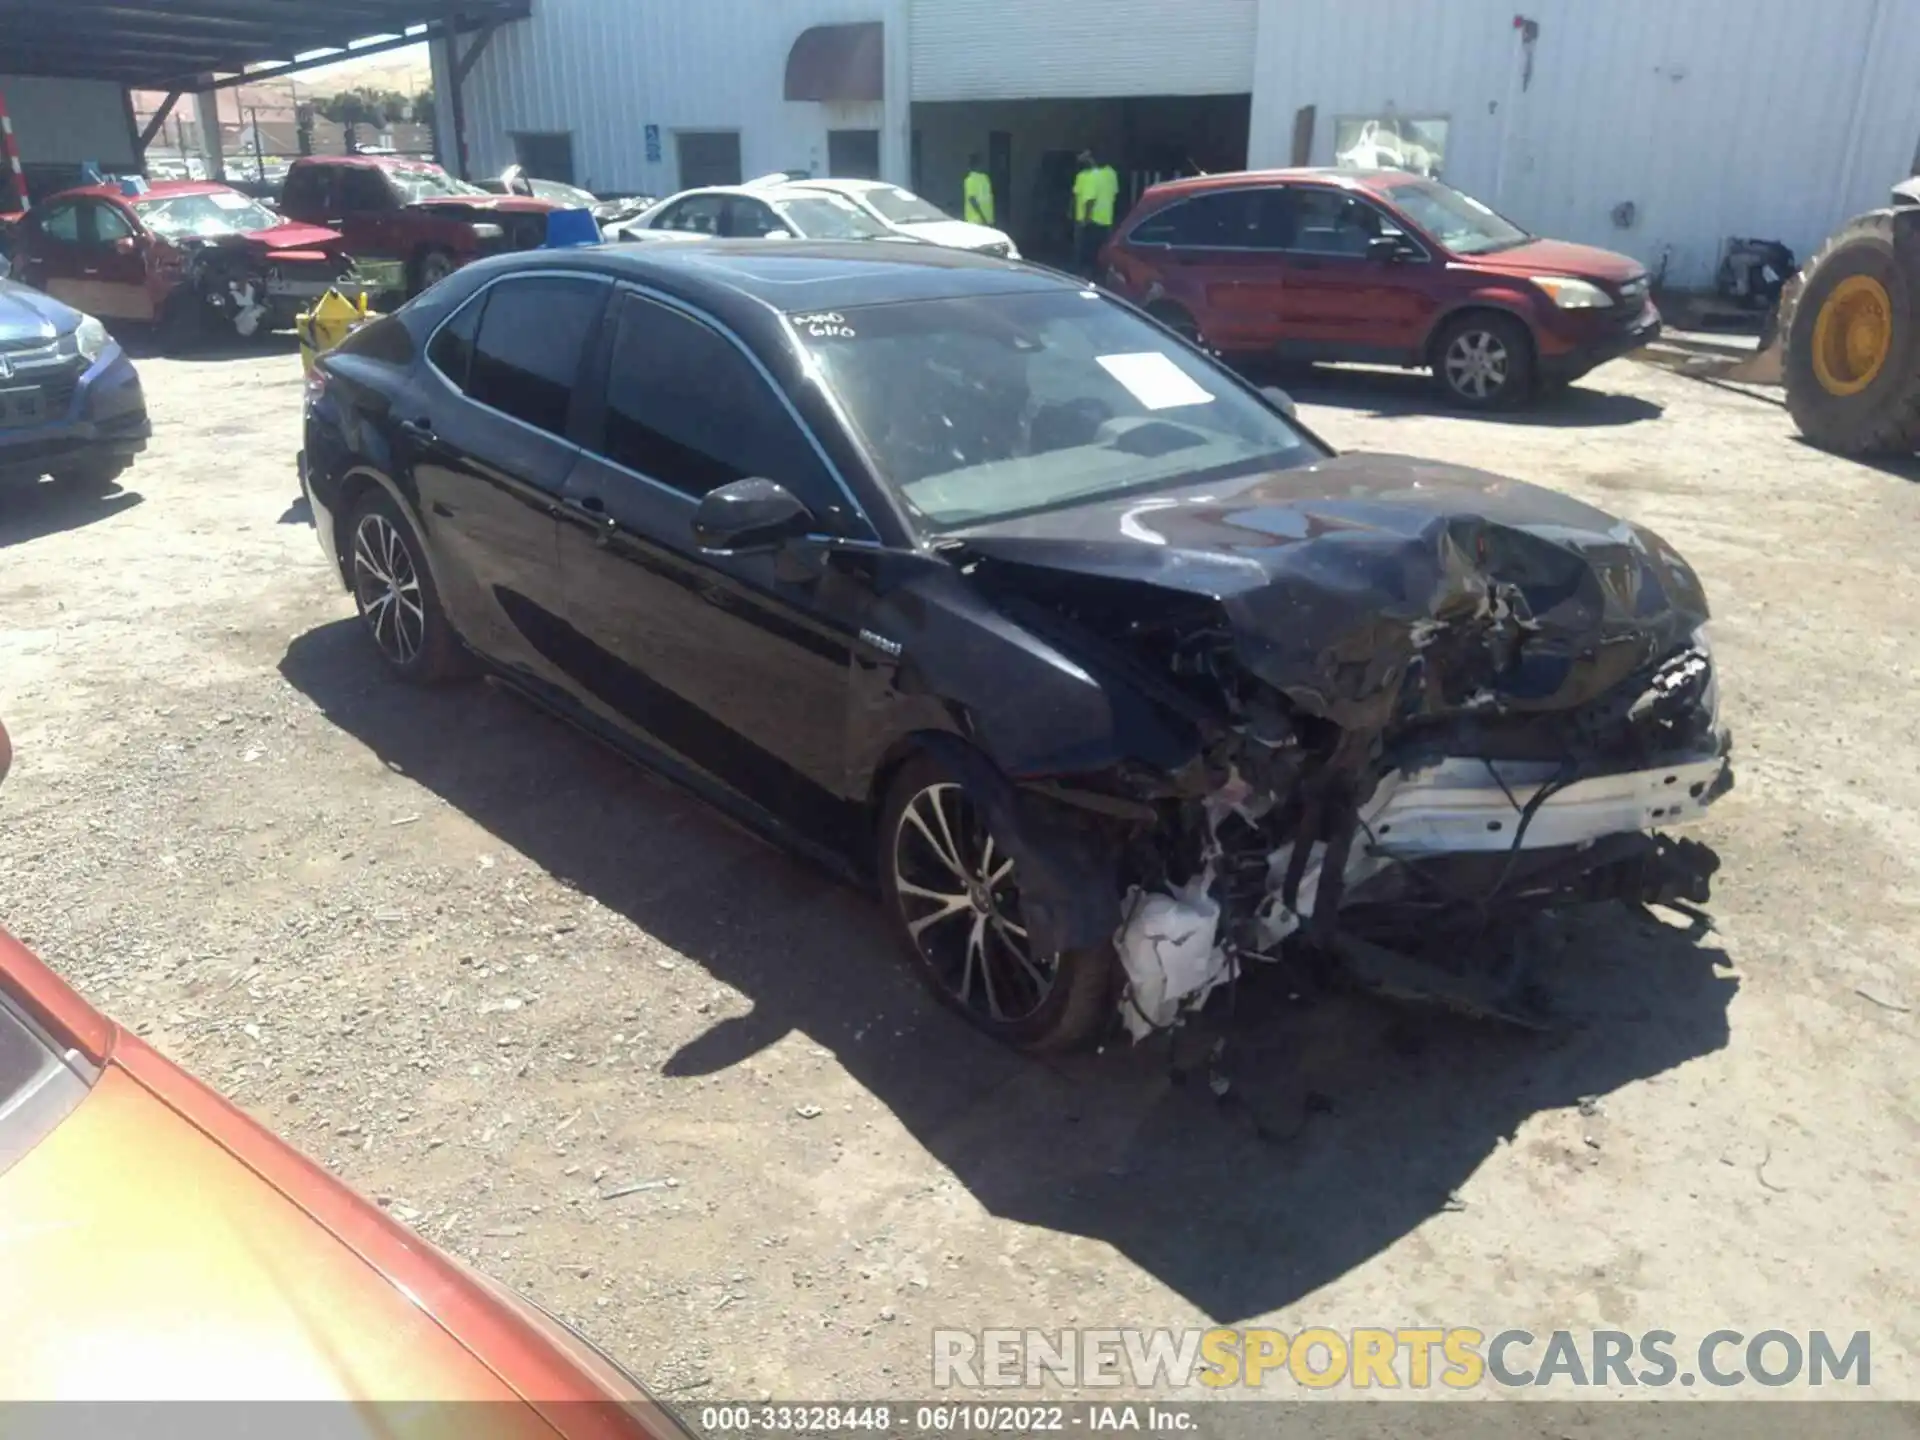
1412	731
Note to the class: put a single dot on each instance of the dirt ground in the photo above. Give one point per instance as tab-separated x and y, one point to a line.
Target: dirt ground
493	975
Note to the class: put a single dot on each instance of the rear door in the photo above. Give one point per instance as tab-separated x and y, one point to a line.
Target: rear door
1208	256
1339	303
490	453
736	665
52	257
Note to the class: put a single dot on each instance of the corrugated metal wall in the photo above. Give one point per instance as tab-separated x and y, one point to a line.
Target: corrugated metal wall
1710	119
603	70
1029	49
63	122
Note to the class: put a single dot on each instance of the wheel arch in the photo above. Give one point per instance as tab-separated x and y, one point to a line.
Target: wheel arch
354	486
1069	867
1482	302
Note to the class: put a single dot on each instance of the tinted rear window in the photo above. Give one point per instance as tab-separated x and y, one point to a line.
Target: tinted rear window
533	337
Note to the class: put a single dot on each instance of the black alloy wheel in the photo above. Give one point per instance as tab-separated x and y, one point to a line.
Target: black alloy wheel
954	891
393	591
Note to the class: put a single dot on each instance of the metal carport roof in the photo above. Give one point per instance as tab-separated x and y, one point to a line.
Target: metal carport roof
180	44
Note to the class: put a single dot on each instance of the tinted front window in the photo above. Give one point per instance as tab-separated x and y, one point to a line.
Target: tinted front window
109	224
685	407
1228	218
979	408
1457	221
1331	222
532	337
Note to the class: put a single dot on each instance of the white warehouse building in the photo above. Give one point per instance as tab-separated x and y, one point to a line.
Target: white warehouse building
1656	127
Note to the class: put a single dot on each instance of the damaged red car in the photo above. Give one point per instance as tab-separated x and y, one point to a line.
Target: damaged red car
187	255
1107	673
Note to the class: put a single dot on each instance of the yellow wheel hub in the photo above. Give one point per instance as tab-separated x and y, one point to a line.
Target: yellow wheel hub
1852	335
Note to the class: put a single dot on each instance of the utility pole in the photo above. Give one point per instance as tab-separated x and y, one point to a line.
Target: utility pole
259	160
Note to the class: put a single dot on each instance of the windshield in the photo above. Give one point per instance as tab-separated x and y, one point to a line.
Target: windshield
991	406
562	194
903	207
1459	222
221	212
823	217
427	182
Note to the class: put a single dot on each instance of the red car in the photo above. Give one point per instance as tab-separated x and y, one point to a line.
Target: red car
160	1245
397	209
177	253
1380	267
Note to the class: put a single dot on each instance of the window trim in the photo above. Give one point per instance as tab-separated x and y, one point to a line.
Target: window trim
626	288
591	348
1410	231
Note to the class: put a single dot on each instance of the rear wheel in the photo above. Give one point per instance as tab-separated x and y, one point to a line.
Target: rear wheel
953	891
1852	351
393	591
1484	361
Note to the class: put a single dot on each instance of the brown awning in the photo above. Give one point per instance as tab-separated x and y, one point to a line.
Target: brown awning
838	62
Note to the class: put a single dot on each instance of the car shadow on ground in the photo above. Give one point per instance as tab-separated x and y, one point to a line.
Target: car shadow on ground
144	343
34	509
1387	393
1348	1123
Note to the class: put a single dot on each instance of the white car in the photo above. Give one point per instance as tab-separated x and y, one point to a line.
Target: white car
772	209
906	213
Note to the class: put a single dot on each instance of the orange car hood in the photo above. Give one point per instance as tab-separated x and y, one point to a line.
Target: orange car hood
140	1260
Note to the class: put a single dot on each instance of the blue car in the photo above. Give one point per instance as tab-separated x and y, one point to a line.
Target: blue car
70	400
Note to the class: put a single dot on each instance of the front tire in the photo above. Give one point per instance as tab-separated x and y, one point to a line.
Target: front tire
94	477
431	268
953	893
394	593
1484	361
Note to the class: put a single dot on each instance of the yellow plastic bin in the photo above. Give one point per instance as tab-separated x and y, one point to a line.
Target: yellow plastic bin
332	319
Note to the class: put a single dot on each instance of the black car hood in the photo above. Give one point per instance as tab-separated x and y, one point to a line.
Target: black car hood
1370	586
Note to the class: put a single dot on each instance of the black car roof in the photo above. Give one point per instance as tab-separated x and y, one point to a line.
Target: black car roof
795	276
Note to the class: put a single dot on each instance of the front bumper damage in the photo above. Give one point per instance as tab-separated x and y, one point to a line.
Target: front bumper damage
1416	728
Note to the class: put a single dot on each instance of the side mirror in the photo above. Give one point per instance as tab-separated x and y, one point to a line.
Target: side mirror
127	245
749	515
1279	399
1389	249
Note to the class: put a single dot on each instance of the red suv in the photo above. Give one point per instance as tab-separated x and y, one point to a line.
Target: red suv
1381	267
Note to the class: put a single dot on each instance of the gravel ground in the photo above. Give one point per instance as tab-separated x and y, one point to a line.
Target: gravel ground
495	977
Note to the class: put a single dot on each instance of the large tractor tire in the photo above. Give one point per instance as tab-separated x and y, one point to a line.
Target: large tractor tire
1853	338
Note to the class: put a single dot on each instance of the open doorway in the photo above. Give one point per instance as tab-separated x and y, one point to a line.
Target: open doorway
545	156
1029	147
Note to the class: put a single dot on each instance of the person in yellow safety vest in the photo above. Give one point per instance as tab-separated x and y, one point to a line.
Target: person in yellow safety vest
1095	189
977	192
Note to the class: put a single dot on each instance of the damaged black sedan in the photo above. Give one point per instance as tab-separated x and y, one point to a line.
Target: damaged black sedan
1111	676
